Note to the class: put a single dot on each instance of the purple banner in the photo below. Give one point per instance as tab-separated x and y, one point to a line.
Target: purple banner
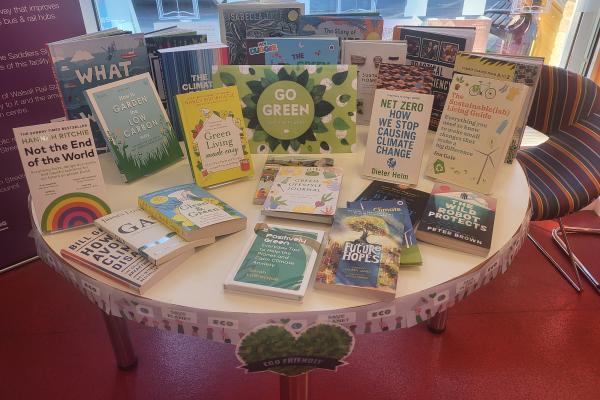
28	96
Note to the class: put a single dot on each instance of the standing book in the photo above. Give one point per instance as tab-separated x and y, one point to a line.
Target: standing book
481	24
85	62
98	251
368	55
277	261
362	254
345	27
63	174
397	136
458	219
241	21
293	50
305	193
140	231
192	212
475	131
214	134
136	126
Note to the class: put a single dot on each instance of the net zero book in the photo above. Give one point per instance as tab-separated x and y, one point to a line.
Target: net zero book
63	174
136	126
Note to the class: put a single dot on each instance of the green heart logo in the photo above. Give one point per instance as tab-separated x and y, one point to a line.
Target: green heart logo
276	348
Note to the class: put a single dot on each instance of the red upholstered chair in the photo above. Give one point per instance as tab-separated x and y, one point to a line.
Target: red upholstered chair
564	171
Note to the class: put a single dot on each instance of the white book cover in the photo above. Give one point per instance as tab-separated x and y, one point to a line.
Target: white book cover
63	173
140	231
397	136
367	55
475	131
482	27
305	191
277	261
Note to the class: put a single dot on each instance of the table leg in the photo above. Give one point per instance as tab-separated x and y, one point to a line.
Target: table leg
293	387
120	340
437	323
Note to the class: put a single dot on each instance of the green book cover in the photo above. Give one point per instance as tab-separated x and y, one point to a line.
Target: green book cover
135	125
295	108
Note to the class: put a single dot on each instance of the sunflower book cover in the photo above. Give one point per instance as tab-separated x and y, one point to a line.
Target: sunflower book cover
192	212
295	108
214	134
63	174
136	126
305	193
363	253
277	261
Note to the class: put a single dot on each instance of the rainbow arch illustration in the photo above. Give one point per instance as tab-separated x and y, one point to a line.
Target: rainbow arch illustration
71	210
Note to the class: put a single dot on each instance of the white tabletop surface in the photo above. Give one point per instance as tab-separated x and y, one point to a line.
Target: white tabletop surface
198	282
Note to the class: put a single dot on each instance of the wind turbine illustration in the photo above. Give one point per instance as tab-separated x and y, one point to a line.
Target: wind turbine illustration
488	157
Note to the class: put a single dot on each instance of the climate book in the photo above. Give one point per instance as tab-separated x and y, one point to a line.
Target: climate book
503	67
293	50
136	126
362	254
475	131
98	251
277	261
305	193
88	61
272	166
189	69
458	219
437	48
63	174
397	136
348	27
192	212
140	231
295	108
245	20
368	55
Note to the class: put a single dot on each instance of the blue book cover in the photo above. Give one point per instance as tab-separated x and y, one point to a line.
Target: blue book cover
135	125
189	69
83	64
344	27
289	51
402	215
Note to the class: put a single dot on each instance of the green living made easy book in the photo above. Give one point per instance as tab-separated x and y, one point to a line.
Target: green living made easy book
135	125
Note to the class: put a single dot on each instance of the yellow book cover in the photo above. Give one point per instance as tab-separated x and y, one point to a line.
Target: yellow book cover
214	134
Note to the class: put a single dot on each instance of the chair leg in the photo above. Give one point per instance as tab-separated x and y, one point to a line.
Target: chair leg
570	252
554	263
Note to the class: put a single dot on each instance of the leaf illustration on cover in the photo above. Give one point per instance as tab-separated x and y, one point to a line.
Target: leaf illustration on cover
227	78
339	77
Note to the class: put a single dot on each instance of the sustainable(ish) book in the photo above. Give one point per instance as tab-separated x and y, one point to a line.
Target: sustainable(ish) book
397	136
362	254
398	209
98	251
192	212
295	108
305	193
140	231
407	78
272	166
368	55
458	219
415	199
277	261
503	67
136	126
63	174
189	69
475	131
215	135
293	51
240	21
436	47
92	60
345	27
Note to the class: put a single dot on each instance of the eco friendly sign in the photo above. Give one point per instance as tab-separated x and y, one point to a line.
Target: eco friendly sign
295	108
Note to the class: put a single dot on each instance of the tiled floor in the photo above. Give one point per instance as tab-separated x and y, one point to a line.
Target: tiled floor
526	335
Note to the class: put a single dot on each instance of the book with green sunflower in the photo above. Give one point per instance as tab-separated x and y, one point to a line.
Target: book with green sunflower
192	212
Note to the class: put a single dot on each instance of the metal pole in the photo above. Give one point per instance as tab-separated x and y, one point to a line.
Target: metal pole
120	340
293	387
437	323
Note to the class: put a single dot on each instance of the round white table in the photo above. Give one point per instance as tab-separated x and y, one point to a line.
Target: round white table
191	299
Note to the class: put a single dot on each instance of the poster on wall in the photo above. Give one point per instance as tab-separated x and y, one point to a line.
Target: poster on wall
28	96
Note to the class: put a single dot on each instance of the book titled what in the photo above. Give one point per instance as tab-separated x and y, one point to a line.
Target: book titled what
458	219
